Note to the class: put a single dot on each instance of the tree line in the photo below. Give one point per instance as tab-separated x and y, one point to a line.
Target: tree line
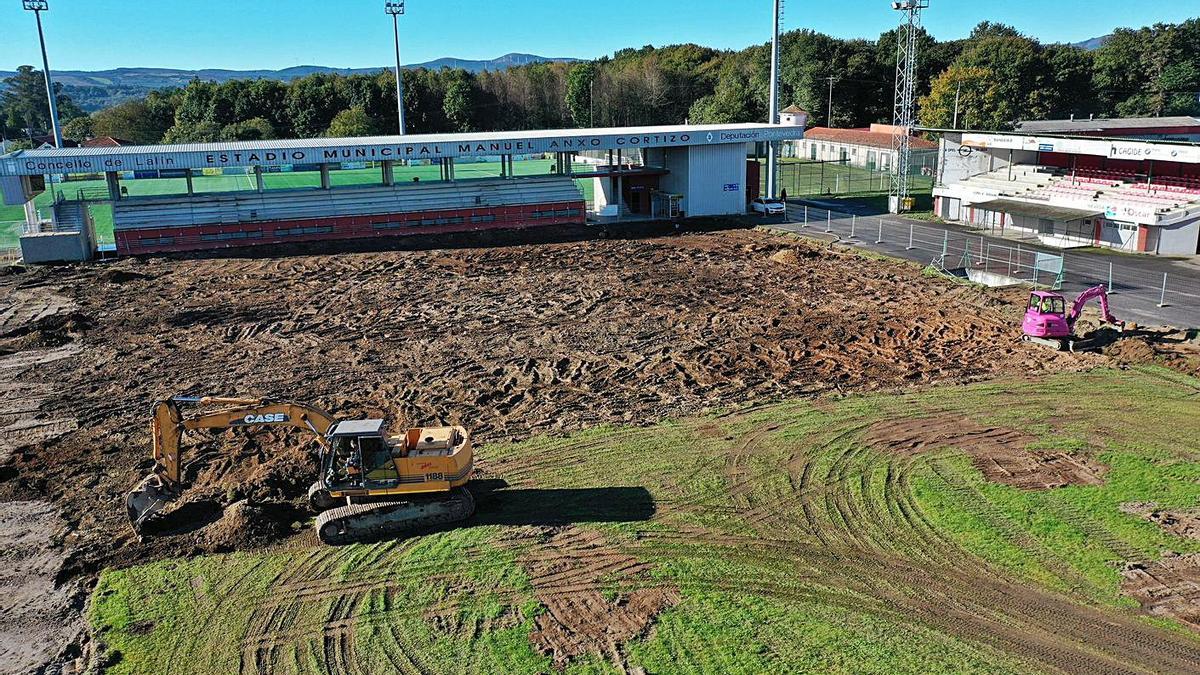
997	76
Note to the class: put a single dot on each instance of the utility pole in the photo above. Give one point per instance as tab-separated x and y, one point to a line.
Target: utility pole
956	94
904	110
829	111
37	7
396	9
773	160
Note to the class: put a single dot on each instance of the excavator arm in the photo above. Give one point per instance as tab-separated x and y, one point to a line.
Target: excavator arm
169	423
1095	292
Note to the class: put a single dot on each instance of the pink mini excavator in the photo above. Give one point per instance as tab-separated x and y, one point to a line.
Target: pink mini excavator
1047	321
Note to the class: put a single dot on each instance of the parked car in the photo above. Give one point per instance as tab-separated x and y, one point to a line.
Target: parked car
768	207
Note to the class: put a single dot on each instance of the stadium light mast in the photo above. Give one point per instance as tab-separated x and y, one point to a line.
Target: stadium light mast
37	7
395	9
773	160
904	110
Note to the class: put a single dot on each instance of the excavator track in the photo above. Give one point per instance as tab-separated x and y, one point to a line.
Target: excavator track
366	522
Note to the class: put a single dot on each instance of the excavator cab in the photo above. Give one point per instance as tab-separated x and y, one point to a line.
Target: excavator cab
1046	316
359	457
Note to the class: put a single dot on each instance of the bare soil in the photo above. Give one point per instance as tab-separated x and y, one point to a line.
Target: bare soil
1002	455
508	339
567	571
39	617
1179	522
1169	347
507	336
1169	587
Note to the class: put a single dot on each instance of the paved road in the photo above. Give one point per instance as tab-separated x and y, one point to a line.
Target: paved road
1136	280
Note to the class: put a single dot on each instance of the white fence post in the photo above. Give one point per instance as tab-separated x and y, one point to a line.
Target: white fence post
880	239
805	216
828	220
910	238
853	222
1109	288
1162	299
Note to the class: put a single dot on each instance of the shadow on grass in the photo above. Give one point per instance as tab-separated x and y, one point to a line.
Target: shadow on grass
498	504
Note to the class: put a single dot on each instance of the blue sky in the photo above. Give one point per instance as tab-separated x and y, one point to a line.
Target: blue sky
244	34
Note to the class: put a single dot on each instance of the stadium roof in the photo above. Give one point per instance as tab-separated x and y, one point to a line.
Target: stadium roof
1046	211
874	139
1106	124
380	148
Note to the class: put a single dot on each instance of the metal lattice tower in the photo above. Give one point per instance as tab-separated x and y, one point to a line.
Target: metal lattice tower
773	147
904	111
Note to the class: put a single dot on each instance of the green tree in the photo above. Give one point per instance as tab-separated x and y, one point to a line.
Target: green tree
254	129
23	105
459	104
978	94
78	129
132	120
350	123
580	80
204	132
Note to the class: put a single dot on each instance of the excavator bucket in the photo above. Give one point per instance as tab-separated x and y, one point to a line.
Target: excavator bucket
146	500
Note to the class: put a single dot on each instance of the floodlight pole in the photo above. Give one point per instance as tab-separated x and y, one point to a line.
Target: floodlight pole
904	110
773	160
396	9
37	7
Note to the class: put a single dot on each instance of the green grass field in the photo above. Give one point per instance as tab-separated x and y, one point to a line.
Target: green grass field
794	545
11	217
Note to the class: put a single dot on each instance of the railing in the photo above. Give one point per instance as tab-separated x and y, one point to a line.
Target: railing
929	243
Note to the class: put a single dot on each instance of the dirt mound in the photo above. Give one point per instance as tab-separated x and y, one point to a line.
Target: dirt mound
1169	587
568	571
1002	455
121	276
1131	351
244	525
1181	522
1169	347
793	256
54	330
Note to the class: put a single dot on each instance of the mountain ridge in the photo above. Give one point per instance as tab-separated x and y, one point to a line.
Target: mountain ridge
95	89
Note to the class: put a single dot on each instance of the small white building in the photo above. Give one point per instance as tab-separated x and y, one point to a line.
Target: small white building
869	148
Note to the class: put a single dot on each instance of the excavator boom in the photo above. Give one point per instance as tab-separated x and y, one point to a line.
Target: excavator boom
168	424
1095	292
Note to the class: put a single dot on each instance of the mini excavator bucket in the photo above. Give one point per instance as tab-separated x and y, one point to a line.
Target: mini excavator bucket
145	501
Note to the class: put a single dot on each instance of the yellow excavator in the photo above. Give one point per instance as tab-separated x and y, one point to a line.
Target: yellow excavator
368	485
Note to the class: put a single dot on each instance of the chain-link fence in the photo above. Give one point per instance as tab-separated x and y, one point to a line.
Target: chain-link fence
1024	263
804	177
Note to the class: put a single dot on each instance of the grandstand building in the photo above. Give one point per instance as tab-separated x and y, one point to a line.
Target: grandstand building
1182	128
1073	191
669	171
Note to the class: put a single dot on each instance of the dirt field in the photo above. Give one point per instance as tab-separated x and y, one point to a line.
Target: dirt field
506	340
512	340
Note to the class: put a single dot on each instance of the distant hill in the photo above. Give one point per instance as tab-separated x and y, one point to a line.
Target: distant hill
97	89
1092	44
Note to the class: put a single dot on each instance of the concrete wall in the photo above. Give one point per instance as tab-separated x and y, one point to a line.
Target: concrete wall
958	162
1178	239
48	247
